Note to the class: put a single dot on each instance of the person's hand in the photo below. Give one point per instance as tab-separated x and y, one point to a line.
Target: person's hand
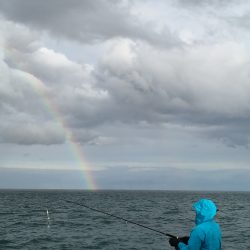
173	242
184	239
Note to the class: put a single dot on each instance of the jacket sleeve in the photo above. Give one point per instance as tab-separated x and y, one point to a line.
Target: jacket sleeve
194	242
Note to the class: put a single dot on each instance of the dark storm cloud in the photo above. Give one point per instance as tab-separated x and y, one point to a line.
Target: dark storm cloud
85	21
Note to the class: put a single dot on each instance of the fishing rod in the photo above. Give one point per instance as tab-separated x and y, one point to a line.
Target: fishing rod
120	218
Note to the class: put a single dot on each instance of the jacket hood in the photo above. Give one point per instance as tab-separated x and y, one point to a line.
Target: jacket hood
205	210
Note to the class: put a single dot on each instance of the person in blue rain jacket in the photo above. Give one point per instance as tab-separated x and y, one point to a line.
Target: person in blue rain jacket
206	235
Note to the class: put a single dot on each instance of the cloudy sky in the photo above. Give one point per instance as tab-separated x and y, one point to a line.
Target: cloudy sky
154	94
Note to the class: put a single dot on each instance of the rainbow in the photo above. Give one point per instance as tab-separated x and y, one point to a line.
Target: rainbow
41	89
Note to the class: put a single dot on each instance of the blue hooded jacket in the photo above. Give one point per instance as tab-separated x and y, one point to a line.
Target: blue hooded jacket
206	235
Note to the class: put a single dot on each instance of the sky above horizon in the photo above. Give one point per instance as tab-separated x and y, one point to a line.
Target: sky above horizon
128	92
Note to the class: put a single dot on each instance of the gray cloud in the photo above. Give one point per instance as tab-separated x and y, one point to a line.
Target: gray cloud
29	134
35	82
132	83
85	21
142	87
181	86
232	134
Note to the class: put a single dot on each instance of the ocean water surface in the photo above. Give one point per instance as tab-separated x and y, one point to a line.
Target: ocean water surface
25	223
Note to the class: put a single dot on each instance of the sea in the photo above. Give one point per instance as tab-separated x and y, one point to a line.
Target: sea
39	219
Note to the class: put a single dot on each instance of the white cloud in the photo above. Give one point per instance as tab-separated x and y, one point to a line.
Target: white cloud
185	79
201	80
39	85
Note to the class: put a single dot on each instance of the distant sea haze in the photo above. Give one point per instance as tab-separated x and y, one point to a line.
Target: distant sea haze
128	178
44	220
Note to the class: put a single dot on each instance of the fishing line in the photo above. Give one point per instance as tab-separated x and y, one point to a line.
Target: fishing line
121	218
